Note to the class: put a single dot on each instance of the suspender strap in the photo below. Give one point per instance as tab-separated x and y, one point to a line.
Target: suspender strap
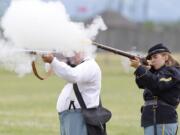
72	104
79	96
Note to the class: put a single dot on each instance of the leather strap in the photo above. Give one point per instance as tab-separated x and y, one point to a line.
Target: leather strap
79	96
33	64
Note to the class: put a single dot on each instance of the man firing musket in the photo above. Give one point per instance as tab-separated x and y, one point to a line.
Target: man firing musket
41	53
86	78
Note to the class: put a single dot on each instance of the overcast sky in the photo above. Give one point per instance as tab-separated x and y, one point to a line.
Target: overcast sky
158	10
167	10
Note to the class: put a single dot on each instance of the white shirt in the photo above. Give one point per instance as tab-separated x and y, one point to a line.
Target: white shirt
88	77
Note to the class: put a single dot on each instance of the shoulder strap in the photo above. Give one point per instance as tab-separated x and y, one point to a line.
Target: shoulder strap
33	64
79	96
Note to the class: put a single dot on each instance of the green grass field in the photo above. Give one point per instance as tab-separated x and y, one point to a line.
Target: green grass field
28	105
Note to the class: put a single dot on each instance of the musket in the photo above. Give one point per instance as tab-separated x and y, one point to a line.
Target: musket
36	52
120	52
33	64
101	46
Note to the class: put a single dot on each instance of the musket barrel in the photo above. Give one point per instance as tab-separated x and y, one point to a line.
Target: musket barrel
120	52
35	52
113	50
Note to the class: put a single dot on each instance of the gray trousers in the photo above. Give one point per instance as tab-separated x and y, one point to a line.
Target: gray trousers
72	123
162	129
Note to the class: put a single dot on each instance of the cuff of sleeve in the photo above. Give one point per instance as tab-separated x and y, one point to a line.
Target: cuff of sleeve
54	61
140	71
58	64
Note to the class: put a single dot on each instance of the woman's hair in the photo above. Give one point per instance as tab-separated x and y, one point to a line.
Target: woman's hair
170	61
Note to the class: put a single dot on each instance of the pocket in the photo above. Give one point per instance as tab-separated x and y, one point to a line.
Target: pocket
96	116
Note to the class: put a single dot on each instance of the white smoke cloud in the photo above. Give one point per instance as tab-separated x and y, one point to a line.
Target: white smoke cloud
92	30
11	59
125	61
37	25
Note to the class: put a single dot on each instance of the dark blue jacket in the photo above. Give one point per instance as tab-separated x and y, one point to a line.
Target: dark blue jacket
163	83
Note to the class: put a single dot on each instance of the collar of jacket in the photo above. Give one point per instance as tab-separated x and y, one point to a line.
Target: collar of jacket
157	70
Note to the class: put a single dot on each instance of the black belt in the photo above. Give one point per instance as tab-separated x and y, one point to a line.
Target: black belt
154	103
157	102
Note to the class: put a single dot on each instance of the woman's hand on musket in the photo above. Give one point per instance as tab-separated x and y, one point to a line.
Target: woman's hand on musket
48	58
135	63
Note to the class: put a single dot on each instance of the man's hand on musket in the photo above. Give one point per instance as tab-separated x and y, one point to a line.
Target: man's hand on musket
48	58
